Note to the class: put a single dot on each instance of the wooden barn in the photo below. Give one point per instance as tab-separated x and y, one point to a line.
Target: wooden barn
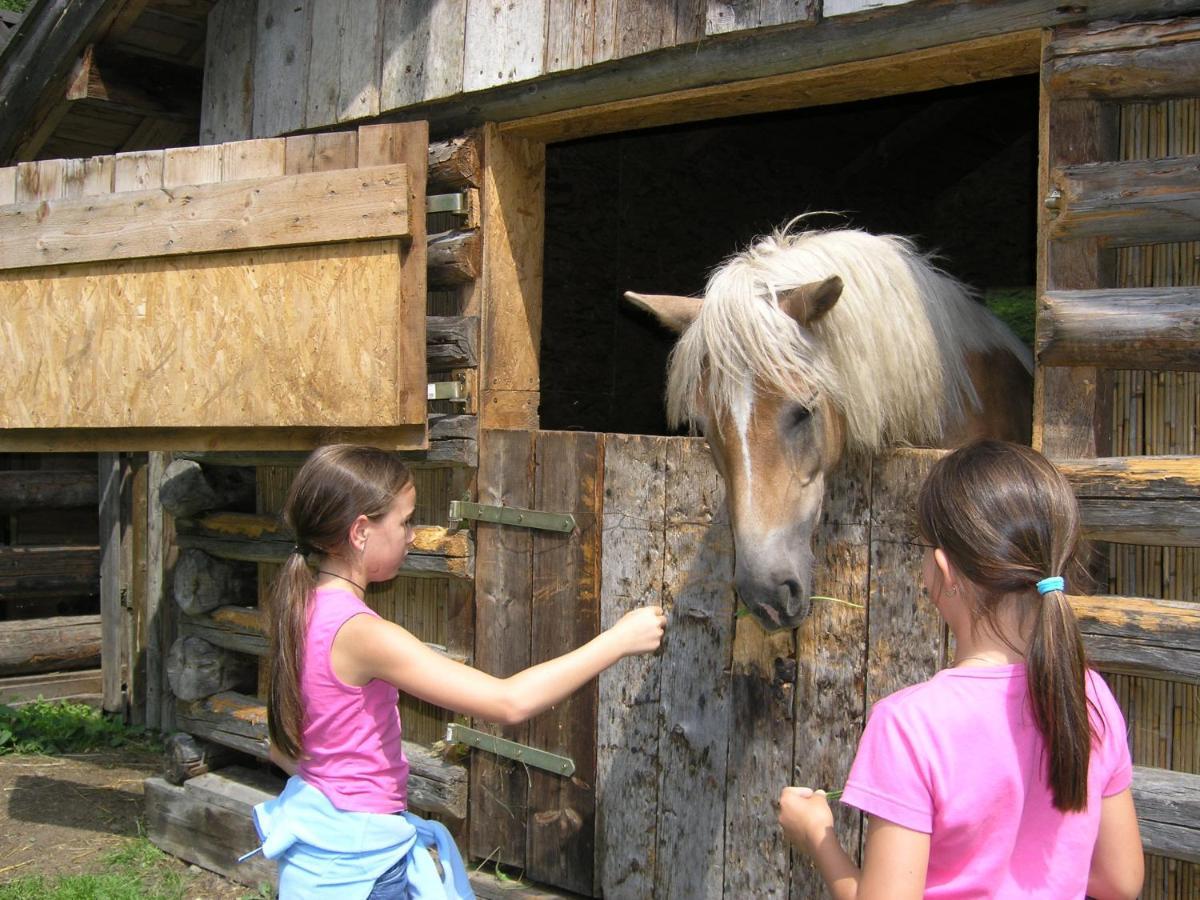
236	229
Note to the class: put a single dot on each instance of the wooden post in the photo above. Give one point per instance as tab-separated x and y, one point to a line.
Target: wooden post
514	187
111	661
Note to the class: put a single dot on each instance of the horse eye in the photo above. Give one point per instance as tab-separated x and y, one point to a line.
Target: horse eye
798	415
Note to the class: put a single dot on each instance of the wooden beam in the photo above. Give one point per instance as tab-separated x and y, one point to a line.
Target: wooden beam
1126	203
454	258
46	489
1170	523
1125	328
27	572
139	85
1168	806
235	720
1134	477
1138	636
1138	61
290	210
454	164
39	59
257	438
451	342
249	537
28	646
83	685
241	628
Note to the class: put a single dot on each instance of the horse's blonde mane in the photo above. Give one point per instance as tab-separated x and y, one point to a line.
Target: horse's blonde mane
889	355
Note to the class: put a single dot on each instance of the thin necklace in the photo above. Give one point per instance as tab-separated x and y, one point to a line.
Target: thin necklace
343	577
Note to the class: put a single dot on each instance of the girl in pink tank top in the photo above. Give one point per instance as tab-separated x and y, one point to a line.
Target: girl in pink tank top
1008	774
337	669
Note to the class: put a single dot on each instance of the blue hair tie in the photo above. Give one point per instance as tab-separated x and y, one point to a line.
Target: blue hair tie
1046	585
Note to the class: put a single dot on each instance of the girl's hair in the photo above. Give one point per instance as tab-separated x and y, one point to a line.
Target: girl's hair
1007	519
335	486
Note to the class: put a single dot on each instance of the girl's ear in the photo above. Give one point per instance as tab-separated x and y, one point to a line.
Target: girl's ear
358	533
950	576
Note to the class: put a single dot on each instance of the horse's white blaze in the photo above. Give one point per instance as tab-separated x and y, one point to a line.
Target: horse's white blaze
741	412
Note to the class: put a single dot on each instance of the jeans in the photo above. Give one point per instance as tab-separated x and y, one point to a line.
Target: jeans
392	884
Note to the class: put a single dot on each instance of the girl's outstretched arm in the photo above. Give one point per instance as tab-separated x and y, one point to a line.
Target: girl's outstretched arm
896	857
367	647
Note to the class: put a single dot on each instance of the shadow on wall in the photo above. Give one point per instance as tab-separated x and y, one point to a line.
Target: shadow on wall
656	211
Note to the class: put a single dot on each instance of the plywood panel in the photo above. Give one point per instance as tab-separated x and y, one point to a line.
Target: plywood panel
145	343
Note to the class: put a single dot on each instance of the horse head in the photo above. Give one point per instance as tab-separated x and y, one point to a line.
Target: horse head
773	449
812	344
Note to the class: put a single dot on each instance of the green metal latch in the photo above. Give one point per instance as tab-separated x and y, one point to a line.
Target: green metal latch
530	756
446	203
446	390
511	515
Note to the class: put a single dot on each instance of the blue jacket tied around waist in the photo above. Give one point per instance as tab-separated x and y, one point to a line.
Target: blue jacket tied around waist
325	852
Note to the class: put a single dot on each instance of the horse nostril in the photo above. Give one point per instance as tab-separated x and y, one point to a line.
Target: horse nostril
793	588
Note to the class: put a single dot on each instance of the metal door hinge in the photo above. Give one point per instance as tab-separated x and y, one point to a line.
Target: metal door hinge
530	756
446	203
455	391
511	515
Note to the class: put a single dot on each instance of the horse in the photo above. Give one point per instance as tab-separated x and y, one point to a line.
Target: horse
813	345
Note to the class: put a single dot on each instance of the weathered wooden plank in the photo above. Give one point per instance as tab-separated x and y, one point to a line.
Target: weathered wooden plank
257	538
1127	328
140	170
566	614
281	56
408	144
724	16
1168	805
513	224
453	163
8	185
1170	523
192	165
157	604
503	602
343	71
1129	202
1134	477
227	105
628	724
569	35
1126	61
203	830
489	886
1141	636
110	488
28	646
82	685
423	52
253	159
286	211
905	631
831	656
46	489
693	742
503	43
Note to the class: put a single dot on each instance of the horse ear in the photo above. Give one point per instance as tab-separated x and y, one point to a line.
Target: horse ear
809	302
677	313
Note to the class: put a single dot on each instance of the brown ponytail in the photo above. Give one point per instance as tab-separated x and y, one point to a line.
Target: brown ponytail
335	486
1007	519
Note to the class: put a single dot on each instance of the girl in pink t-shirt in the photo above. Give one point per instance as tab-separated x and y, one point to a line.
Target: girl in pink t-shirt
1008	774
337	668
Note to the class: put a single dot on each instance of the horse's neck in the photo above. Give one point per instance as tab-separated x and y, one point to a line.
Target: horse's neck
1006	401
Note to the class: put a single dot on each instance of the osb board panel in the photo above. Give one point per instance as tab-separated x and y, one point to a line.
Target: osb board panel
310	342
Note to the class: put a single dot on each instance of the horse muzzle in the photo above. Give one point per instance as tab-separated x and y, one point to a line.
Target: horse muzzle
778	598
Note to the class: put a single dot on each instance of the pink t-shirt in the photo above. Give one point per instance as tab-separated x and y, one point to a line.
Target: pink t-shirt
352	748
959	758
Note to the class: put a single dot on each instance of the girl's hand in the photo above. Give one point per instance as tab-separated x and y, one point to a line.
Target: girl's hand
640	631
805	816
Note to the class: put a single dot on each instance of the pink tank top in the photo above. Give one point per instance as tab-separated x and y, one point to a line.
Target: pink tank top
352	748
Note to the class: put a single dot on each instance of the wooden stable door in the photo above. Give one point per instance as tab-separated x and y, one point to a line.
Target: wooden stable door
1118	386
260	294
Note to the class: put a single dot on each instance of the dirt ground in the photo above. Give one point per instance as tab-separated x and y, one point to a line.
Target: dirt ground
64	815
